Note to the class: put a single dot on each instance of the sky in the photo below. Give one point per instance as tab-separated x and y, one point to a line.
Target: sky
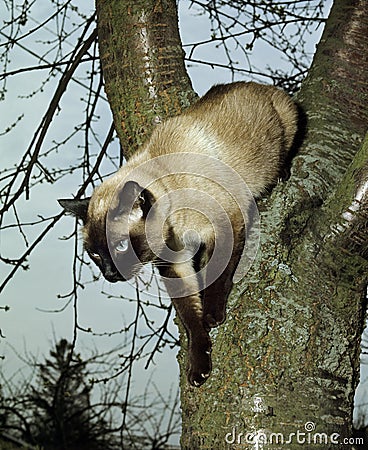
27	328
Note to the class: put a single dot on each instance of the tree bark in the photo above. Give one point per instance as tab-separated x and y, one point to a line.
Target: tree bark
143	66
287	359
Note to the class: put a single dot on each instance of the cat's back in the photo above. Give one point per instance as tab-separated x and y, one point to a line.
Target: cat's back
248	126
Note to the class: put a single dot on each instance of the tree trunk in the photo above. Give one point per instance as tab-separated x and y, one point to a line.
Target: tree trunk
143	66
285	363
287	359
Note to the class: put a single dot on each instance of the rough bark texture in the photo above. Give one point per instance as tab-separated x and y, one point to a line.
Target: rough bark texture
286	360
143	66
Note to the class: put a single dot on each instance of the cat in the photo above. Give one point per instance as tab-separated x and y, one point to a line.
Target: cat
181	202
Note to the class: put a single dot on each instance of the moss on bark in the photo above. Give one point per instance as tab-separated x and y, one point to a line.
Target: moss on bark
143	66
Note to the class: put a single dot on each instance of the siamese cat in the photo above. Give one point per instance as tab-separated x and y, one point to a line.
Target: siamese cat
181	203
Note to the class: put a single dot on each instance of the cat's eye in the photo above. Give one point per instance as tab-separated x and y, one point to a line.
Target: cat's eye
122	246
94	255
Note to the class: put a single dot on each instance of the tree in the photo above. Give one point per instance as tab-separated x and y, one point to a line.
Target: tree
57	411
305	290
61	408
286	360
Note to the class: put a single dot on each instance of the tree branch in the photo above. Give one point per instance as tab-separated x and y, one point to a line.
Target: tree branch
349	206
145	77
40	134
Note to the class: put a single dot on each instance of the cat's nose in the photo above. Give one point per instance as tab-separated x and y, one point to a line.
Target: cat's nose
111	279
113	276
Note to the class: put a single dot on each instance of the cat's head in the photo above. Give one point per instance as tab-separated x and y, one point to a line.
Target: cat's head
115	228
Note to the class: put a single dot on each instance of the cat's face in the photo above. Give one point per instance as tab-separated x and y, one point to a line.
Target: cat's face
115	230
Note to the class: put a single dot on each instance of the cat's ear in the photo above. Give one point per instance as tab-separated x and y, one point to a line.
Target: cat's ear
78	208
136	197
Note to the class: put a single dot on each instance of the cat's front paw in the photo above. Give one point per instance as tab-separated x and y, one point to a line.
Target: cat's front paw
213	319
199	364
